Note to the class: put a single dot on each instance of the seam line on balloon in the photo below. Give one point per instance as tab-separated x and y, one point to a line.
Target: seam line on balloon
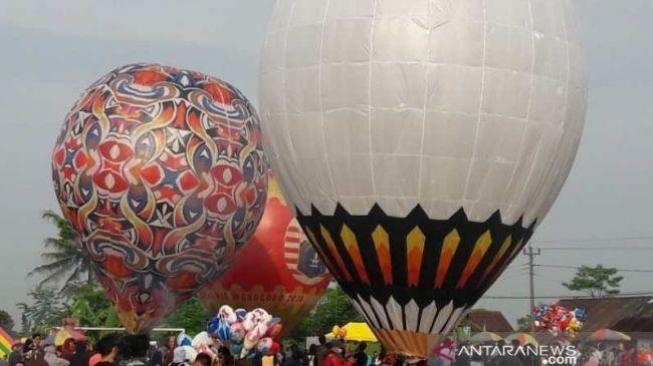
523	192
426	65
319	90
528	107
480	105
548	179
286	134
369	96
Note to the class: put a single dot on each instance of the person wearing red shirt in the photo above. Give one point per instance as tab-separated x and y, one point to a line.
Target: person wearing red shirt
336	355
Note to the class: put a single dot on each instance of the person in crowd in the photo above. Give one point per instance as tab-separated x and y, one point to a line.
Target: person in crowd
463	358
82	354
33	352
52	358
593	358
444	354
224	357
106	351
312	355
400	360
378	357
154	355
96	358
362	359
610	356
183	356
170	346
506	359
16	355
321	351
293	357
202	359
133	350
476	360
38	340
280	357
386	359
336	355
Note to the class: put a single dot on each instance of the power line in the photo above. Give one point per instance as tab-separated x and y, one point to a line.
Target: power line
593	240
571	296
577	267
598	248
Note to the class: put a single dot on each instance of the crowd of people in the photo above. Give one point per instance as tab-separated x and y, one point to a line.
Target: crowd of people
112	350
138	350
616	354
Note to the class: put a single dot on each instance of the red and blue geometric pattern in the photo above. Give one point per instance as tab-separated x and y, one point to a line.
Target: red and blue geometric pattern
161	171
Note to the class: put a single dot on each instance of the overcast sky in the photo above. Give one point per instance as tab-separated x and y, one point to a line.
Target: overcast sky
50	51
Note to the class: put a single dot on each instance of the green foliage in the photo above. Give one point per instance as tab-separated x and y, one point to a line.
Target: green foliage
6	321
334	309
91	307
65	259
191	315
596	281
46	310
524	323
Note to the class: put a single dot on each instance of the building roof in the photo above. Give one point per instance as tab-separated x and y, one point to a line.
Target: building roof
491	321
623	314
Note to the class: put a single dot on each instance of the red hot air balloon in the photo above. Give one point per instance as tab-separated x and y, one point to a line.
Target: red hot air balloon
278	270
162	175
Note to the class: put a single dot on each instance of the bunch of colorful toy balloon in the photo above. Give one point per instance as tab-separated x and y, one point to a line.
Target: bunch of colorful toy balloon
558	319
250	335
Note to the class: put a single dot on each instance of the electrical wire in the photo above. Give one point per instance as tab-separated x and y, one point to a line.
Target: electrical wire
593	240
568	296
596	248
629	270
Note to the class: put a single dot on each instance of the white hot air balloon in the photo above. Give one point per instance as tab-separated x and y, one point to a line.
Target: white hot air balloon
421	142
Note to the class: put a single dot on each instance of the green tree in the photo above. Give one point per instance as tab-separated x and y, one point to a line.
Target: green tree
191	316
65	259
91	307
334	309
524	323
596	281
6	321
46	310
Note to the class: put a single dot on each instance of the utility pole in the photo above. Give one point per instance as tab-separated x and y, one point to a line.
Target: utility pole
531	253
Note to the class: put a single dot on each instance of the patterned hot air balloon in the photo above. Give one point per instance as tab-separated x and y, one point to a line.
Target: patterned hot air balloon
278	270
162	175
421	141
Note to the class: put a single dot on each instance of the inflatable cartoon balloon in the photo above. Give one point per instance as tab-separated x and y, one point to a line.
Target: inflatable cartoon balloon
421	142
278	269
162	175
250	336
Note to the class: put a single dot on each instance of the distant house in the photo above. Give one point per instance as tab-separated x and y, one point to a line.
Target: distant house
629	315
488	320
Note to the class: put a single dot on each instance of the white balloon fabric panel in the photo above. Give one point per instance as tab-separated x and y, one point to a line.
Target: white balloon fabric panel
447	104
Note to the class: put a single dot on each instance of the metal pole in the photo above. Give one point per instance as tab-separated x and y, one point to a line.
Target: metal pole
531	253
